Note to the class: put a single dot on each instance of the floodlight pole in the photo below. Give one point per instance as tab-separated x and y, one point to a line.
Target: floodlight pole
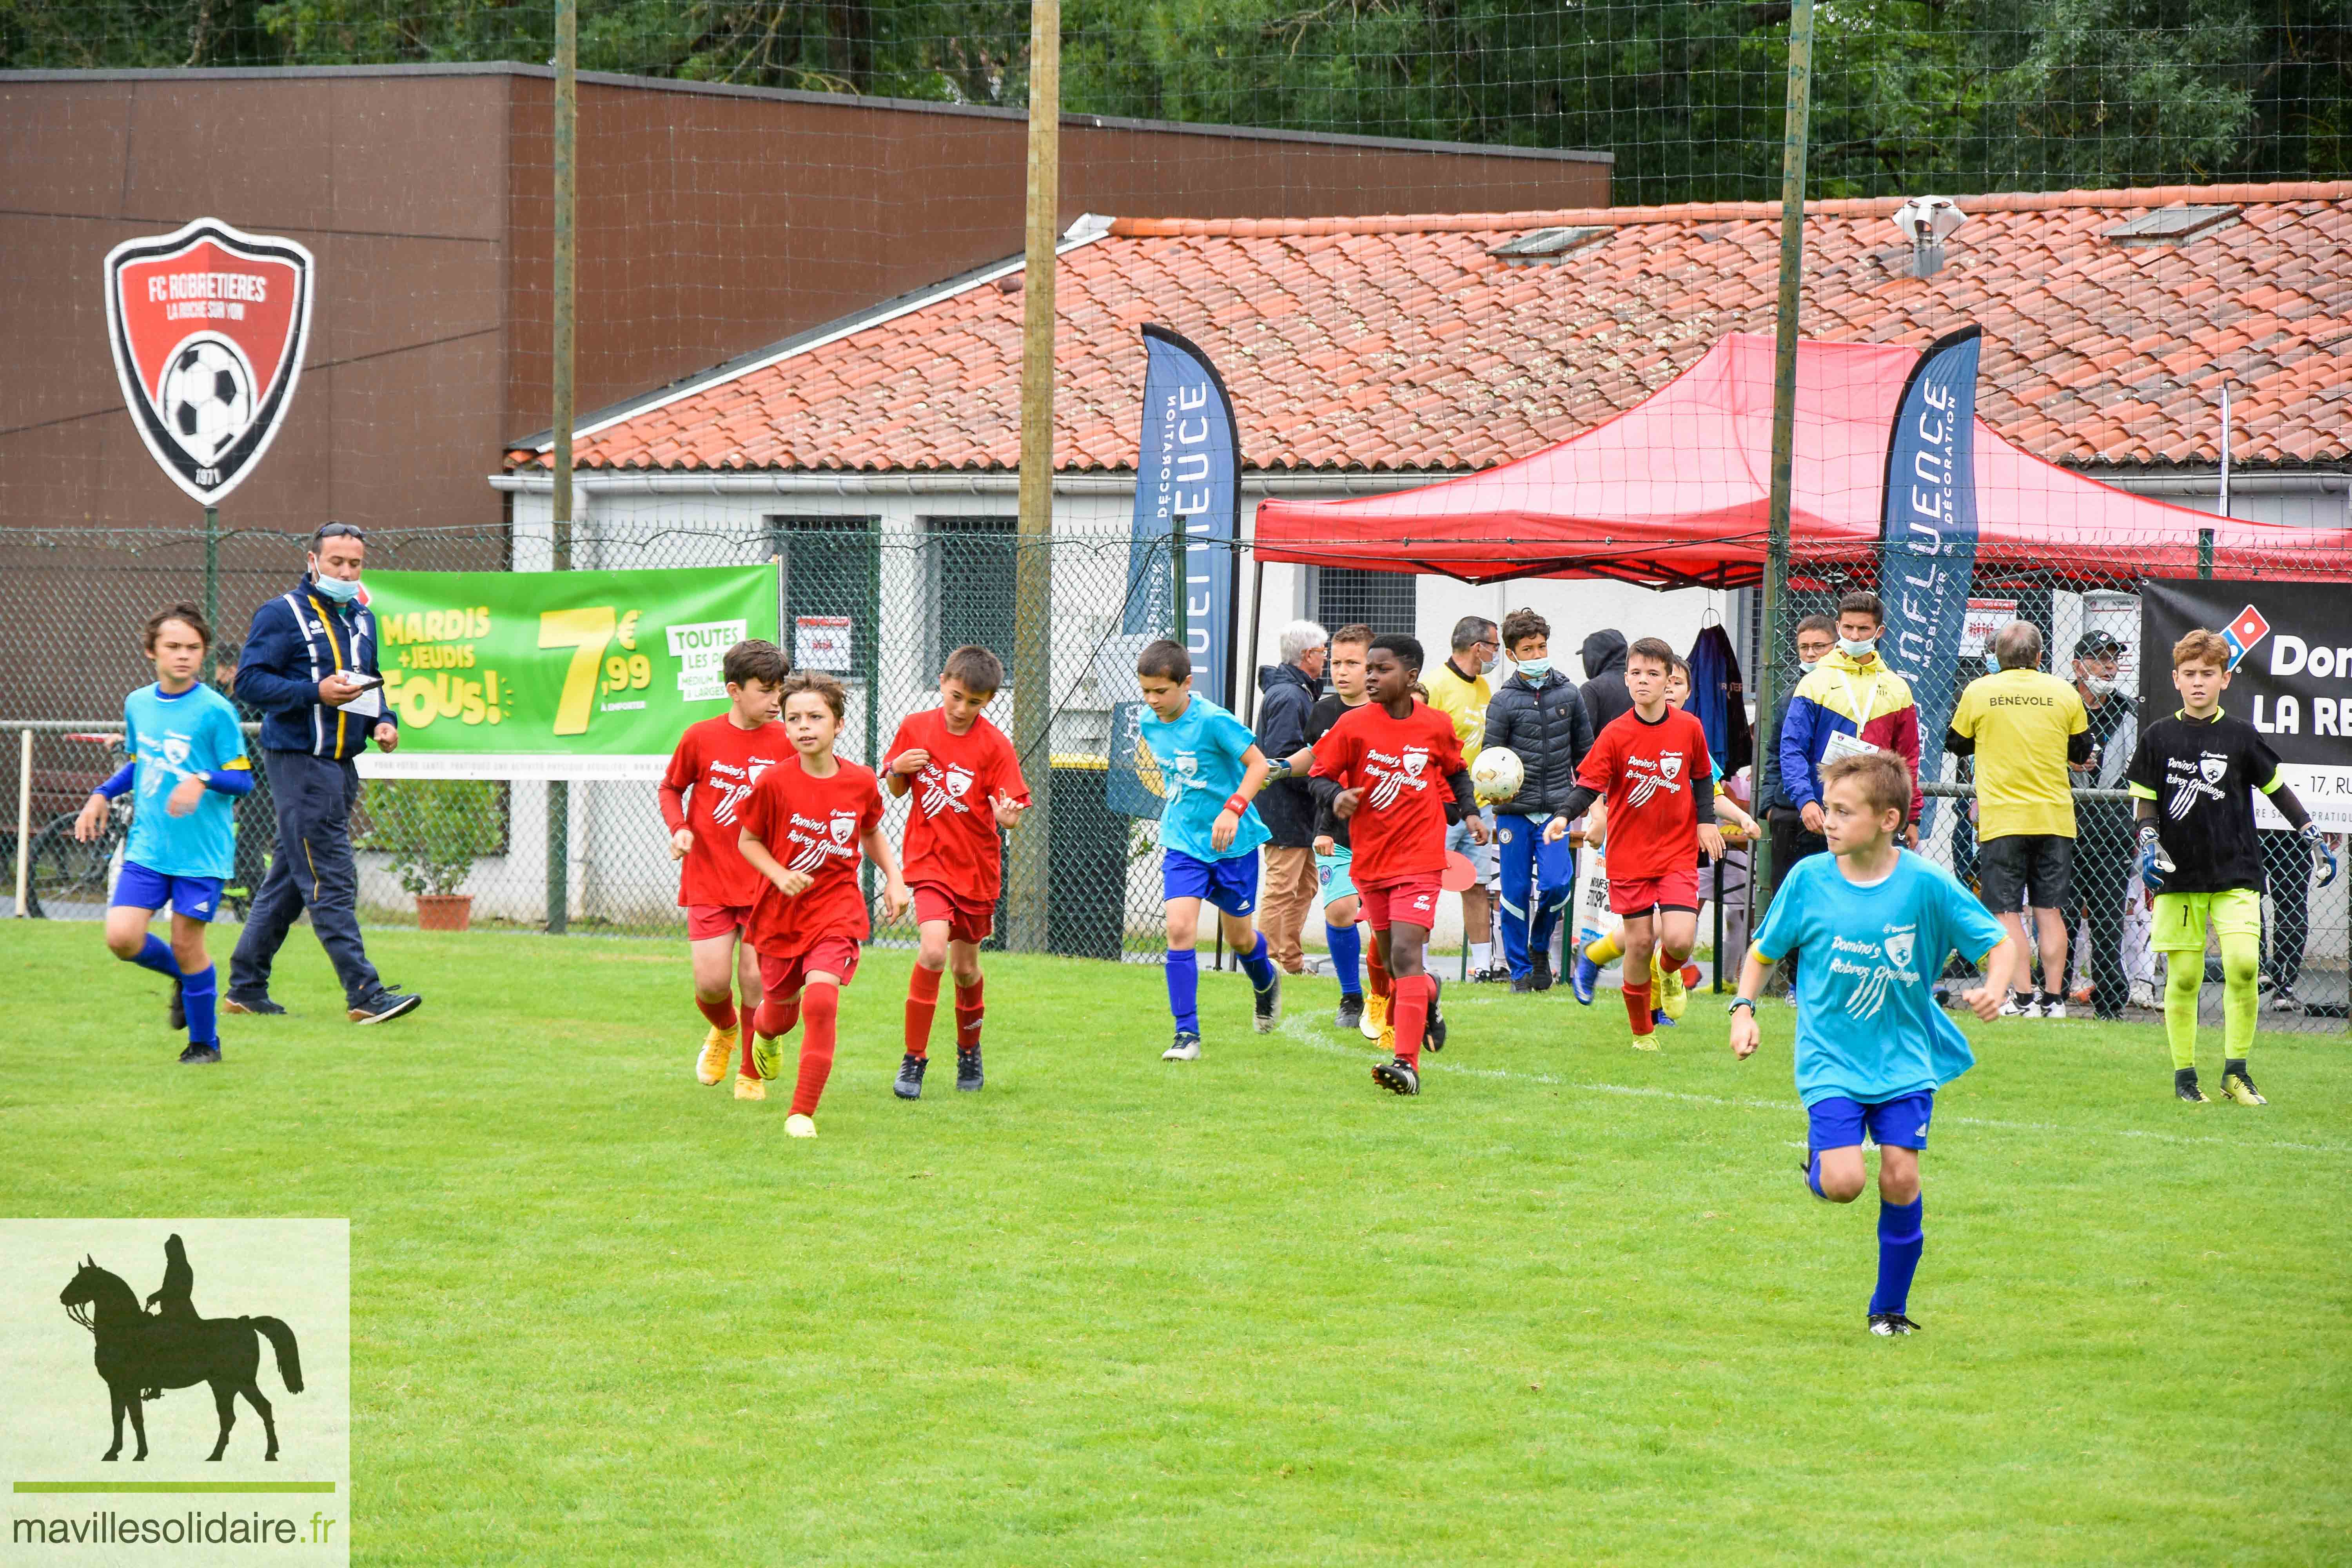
567	131
1030	865
1784	392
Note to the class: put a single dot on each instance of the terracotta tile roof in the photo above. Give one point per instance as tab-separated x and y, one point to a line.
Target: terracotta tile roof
1399	343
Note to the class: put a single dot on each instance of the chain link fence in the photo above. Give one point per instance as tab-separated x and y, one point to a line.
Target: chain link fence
2110	966
76	601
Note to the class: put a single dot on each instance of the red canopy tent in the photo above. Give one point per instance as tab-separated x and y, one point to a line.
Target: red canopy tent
1676	492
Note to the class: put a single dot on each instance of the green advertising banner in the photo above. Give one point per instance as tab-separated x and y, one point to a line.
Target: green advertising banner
556	675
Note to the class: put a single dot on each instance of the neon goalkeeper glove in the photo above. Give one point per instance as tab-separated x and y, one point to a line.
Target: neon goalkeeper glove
1278	768
2323	859
2155	865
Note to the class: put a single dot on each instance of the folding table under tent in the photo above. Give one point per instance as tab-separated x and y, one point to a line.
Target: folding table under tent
1676	492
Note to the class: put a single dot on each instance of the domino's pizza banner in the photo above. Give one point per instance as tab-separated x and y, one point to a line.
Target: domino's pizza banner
2290	676
557	675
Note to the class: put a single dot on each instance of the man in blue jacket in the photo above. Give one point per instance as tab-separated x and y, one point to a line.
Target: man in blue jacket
309	665
1539	714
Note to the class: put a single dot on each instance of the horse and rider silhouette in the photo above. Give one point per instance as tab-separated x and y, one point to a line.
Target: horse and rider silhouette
140	1353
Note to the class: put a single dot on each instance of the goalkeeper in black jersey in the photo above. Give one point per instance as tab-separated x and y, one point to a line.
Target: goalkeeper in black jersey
2192	780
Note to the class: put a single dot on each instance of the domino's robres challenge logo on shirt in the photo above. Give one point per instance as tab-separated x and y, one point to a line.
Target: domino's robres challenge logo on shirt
815	842
1873	968
2189	780
1395	773
1648	780
944	789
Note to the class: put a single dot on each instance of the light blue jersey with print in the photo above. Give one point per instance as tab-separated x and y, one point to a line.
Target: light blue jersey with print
1200	758
171	739
1867	1022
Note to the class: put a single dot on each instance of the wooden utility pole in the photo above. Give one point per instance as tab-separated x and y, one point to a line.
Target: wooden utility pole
1033	590
1784	392
567	127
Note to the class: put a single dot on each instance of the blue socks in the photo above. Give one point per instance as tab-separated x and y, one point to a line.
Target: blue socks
198	994
1813	1173
1184	989
1346	957
157	955
1258	966
1900	1242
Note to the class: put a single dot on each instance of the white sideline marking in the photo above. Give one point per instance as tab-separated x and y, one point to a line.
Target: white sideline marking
1296	1028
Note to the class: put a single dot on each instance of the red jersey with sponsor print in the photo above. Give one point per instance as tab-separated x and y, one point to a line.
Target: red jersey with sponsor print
1400	764
715	766
1645	771
952	839
814	826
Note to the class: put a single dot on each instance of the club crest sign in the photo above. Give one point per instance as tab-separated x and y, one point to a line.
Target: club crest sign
208	326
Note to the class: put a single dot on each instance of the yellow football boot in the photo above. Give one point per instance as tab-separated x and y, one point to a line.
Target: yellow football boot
1376	1019
2238	1088
1674	996
718	1048
750	1088
767	1056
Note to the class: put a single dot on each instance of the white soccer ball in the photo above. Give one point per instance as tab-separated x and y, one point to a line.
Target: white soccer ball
207	398
1497	774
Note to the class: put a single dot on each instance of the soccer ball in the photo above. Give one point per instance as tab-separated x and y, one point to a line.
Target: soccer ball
207	398
1497	774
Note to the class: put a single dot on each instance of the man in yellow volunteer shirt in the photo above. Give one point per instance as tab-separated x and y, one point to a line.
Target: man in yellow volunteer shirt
2024	728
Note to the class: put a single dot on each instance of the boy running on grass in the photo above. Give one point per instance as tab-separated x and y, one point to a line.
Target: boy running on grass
807	821
1334	859
1210	770
1873	922
187	766
1392	771
710	776
967	785
2192	781
1652	763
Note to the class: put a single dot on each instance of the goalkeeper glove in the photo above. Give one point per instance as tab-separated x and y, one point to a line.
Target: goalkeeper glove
1278	768
2155	865
2323	859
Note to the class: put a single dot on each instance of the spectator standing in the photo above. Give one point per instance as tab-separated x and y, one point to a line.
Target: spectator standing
309	664
2104	855
1603	693
1458	688
2026	730
1791	839
1849	703
1538	714
1287	691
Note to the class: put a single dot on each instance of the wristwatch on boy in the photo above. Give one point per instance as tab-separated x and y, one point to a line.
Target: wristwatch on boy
1737	1002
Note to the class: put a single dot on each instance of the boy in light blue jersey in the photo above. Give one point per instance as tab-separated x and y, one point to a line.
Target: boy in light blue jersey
187	767
1873	924
1211	771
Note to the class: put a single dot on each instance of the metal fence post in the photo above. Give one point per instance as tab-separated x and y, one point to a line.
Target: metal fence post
211	587
567	119
23	819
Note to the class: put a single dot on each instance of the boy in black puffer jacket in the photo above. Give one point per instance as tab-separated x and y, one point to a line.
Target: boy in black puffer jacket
1538	714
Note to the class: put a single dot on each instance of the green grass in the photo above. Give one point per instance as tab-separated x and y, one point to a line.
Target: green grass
1572	1305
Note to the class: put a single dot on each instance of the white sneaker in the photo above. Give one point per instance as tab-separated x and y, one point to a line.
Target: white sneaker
2056	1009
1187	1048
800	1126
2010	1008
2143	995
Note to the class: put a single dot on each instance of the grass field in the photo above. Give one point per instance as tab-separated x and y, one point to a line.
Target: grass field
1572	1305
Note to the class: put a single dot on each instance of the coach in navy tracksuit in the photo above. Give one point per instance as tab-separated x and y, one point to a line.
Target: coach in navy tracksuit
297	656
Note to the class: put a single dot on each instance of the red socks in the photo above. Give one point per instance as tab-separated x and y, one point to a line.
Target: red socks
1376	977
1637	1007
821	1004
922	1001
969	1008
1414	994
721	1013
775	1018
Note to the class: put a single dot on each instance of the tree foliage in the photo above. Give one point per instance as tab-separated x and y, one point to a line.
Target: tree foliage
1957	95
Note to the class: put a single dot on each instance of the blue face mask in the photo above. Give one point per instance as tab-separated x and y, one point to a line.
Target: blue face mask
342	591
1535	669
1808	665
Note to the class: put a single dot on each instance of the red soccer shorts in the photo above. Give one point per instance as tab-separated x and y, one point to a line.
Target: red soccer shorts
782	977
1413	899
705	921
1640	895
966	922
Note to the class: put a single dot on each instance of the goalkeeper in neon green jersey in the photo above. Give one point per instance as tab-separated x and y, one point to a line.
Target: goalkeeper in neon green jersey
2192	780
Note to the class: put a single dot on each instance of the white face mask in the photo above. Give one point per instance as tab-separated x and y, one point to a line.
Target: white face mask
1809	665
2098	686
1854	649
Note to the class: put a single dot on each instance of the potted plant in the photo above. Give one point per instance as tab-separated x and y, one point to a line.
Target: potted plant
433	830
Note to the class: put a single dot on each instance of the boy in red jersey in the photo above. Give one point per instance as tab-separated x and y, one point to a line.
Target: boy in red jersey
1652	763
967	785
710	776
1392	770
807	820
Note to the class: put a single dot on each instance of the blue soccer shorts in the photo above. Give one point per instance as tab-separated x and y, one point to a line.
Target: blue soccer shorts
1336	875
1901	1123
198	898
1230	884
